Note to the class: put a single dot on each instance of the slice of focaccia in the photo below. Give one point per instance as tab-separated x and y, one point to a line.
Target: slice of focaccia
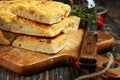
48	12
6	15
7	38
41	44
25	26
13	23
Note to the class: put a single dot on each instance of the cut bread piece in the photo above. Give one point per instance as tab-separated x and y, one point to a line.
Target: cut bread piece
48	12
5	9
41	44
10	22
25	26
7	38
6	15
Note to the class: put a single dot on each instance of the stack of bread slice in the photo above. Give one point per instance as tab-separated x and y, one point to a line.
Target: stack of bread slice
41	26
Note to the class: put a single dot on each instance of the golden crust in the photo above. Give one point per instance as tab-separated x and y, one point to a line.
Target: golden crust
48	12
41	44
25	26
5	13
6	6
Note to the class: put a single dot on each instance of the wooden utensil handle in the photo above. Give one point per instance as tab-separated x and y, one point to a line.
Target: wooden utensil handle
89	48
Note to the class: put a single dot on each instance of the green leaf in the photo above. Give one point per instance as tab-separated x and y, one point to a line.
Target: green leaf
85	14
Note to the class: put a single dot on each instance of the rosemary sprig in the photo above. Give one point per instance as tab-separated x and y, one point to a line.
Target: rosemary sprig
86	14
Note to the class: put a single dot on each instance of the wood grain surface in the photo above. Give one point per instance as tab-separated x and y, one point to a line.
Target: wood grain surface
26	62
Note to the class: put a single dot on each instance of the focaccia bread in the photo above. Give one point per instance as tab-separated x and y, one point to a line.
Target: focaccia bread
6	15
13	23
25	26
41	44
6	38
48	12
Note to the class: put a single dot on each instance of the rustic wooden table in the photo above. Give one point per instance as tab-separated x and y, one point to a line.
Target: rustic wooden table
111	26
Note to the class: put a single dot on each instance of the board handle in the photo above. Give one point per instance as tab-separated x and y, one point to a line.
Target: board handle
88	55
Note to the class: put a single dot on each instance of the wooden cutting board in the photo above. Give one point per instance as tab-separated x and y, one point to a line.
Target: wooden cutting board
26	62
